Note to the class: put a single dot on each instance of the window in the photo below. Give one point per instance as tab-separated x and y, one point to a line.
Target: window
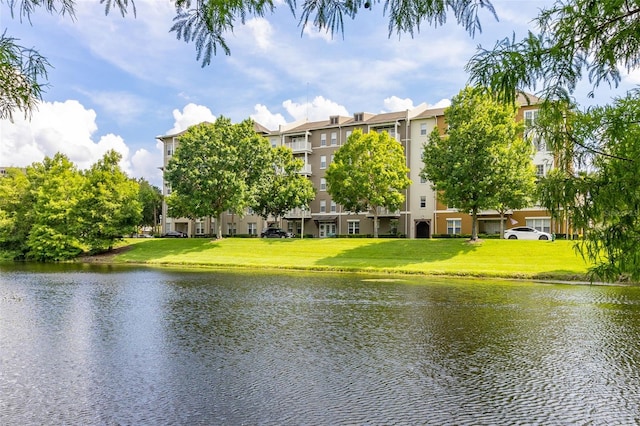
333	119
353	227
359	116
169	151
530	117
199	227
423	201
252	228
231	229
423	179
323	139
323	161
332	157
423	129
540	170
334	207
540	223
323	206
334	139
454	226
348	133
168	187
323	184
274	142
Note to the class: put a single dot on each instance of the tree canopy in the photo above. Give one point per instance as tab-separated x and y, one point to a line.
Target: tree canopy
216	168
282	188
53	211
368	172
480	152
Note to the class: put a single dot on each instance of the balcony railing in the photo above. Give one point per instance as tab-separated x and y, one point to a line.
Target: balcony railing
305	170
298	146
385	212
298	214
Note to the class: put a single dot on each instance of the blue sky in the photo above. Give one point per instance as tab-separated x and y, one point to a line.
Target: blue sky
120	82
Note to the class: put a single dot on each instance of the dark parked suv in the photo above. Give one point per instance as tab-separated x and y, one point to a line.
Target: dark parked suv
275	233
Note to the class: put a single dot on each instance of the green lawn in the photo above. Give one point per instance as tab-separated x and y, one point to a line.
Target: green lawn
489	258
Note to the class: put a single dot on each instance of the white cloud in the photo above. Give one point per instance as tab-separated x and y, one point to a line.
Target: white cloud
265	117
316	110
261	30
395	103
191	114
442	103
69	128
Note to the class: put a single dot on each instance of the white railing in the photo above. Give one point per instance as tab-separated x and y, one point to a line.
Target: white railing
305	170
299	146
299	213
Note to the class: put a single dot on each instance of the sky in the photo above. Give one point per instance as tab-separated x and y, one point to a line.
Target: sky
118	82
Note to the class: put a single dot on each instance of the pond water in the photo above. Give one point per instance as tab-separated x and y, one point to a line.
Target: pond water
103	345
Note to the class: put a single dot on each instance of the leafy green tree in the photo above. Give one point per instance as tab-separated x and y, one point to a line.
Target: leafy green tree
515	175
150	197
55	186
468	165
368	172
283	188
15	209
206	22
606	197
216	168
108	207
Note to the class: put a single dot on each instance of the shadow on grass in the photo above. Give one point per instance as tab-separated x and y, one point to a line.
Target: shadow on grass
398	253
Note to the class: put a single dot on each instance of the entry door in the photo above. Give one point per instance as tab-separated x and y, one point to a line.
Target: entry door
327	229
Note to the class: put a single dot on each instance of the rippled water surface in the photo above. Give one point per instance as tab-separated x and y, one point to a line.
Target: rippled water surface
98	345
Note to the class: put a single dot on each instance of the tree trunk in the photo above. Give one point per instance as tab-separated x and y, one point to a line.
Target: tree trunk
474	224
219	226
375	222
501	225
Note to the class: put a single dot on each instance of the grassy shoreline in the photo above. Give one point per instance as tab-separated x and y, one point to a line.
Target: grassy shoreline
533	260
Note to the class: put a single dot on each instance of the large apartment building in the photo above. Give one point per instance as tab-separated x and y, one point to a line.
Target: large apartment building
421	215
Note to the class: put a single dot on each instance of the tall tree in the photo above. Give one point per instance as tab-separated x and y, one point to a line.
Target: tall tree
467	164
108	207
368	172
206	23
283	187
55	186
515	175
150	198
15	213
216	168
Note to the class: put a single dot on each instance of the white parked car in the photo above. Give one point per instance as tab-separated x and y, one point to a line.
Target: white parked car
526	233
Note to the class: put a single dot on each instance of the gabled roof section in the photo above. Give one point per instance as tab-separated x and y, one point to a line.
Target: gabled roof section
430	113
527	99
387	117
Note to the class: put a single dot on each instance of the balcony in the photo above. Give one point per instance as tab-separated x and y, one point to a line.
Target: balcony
305	170
299	146
384	212
298	214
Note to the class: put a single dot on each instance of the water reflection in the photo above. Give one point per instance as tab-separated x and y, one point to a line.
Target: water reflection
88	345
